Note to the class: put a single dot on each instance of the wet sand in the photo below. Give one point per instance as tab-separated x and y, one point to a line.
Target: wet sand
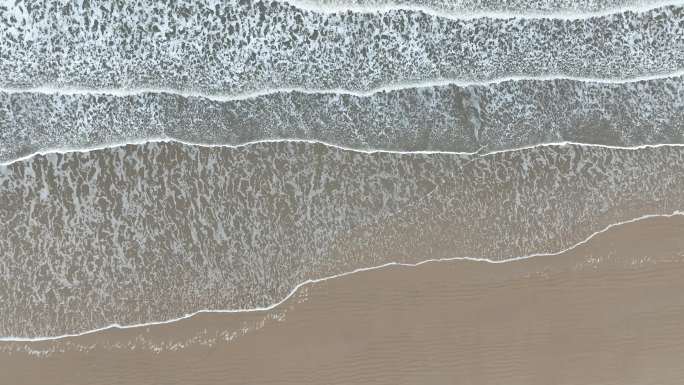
607	312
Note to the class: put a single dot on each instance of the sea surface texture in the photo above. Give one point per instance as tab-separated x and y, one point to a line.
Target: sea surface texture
361	191
491	117
233	46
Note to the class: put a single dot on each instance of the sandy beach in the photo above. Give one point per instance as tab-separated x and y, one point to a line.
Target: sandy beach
607	312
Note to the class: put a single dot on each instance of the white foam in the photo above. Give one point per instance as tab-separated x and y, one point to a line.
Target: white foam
479	152
318	280
123	92
466	14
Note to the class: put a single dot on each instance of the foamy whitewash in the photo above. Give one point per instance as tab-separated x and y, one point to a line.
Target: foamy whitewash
233	47
491	117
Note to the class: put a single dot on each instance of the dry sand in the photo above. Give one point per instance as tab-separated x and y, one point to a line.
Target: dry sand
610	311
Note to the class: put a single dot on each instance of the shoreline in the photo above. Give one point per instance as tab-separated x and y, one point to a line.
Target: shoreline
300	286
605	312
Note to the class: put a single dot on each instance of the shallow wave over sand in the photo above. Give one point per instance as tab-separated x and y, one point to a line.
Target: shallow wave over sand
151	232
609	308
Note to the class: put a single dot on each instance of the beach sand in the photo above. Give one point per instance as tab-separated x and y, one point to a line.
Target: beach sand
609	311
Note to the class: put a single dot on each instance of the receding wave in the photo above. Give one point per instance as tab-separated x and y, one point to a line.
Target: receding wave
240	47
492	117
150	232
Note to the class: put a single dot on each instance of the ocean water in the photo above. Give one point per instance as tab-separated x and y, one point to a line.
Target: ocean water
491	117
232	47
151	232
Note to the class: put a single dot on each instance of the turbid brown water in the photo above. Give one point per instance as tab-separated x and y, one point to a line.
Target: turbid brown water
607	312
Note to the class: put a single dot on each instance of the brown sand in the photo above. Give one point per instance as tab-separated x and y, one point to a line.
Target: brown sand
608	312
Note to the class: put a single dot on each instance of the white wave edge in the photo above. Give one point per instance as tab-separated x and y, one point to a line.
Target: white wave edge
398	86
480	152
318	280
463	14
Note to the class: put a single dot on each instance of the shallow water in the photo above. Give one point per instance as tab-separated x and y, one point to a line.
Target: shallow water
154	231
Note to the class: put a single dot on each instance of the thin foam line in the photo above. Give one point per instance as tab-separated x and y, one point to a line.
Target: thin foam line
479	152
398	86
335	276
465	14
